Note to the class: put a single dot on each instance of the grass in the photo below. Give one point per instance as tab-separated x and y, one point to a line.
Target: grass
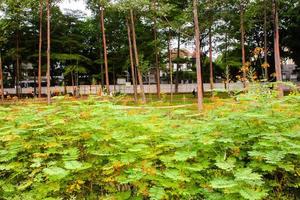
152	100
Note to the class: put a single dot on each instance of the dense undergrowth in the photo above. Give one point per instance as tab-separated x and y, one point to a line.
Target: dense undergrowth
242	148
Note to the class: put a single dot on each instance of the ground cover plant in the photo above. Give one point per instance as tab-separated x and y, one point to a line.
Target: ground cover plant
247	147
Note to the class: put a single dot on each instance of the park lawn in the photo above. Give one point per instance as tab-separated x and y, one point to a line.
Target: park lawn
246	147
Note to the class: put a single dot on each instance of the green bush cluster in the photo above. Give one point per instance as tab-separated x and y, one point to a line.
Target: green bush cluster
246	148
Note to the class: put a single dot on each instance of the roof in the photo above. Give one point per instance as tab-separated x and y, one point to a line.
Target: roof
184	53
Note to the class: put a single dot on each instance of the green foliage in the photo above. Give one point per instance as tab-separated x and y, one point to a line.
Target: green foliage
243	149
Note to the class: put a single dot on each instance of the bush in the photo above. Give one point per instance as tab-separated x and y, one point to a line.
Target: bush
248	148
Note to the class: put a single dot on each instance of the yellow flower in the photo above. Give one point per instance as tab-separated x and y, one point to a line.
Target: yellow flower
257	51
245	68
265	65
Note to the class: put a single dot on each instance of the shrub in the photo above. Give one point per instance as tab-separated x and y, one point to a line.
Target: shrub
248	148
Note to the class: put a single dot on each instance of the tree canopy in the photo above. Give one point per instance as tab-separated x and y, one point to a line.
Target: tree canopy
77	40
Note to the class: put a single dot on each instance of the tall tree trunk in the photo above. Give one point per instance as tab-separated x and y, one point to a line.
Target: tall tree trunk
156	51
211	63
277	48
18	66
102	72
48	51
1	79
177	63
226	48
34	82
170	64
243	42
104	48
114	78
40	50
198	56
227	77
265	40
77	80
100	59
133	76
140	77
73	84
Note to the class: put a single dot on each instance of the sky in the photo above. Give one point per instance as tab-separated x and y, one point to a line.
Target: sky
72	5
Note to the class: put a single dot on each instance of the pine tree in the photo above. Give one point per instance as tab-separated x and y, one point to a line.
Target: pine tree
101	9
242	29
277	48
156	50
40	50
198	56
136	55
133	74
48	3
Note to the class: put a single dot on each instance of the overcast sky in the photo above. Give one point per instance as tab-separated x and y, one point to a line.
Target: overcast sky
71	5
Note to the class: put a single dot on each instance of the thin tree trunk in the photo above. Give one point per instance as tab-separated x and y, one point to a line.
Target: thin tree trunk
133	77
101	64
157	64
243	42
40	51
277	48
226	63
211	63
100	60
104	49
102	72
170	64
77	80
34	82
72	80
226	48
198	57
114	78
65	86
177	63
18	66
137	57
156	51
1	79
265	40
48	52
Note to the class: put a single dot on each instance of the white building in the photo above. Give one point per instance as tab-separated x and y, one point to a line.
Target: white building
289	71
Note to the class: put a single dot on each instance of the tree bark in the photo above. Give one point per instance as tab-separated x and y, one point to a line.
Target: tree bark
104	49
265	40
102	72
277	48
137	57
157	67
73	84
48	51
77	80
178	63
40	50
170	64
243	42
100	59
34	82
133	76
1	79
18	66
198	56
211	63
